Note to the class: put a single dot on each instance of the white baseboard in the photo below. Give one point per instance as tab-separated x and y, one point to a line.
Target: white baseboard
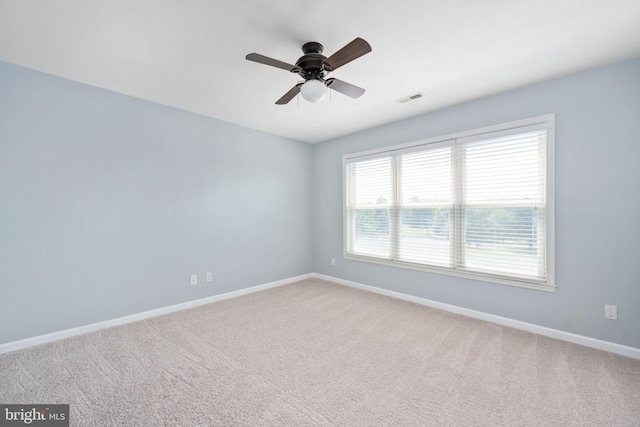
504	321
55	336
529	327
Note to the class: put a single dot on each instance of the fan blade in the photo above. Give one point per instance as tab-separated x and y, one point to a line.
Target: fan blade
289	95
352	51
256	57
345	88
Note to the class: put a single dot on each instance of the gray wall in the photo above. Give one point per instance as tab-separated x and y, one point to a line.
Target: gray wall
108	203
597	204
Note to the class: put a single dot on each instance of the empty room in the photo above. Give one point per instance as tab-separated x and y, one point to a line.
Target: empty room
287	213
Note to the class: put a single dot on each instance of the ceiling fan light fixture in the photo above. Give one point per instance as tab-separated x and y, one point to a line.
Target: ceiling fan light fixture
313	90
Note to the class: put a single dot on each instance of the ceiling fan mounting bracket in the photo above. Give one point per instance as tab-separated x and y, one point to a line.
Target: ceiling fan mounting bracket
312	47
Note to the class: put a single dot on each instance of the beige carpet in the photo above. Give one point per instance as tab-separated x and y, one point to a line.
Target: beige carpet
317	353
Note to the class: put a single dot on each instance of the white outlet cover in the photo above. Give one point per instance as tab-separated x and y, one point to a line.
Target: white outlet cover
611	312
209	277
193	279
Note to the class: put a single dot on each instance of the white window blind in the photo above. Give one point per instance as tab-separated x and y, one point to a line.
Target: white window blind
370	194
475	205
425	206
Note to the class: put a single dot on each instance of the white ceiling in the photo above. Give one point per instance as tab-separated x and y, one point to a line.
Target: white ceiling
190	54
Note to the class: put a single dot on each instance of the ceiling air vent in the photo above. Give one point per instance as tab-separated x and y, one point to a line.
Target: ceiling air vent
409	98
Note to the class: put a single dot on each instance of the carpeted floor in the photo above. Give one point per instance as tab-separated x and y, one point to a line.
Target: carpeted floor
317	353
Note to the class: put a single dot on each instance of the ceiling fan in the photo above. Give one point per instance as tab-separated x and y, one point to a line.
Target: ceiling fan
313	67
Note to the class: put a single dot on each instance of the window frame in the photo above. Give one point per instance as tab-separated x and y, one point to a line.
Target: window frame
544	122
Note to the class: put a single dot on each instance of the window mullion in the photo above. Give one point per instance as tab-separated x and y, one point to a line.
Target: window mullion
351	212
394	214
458	247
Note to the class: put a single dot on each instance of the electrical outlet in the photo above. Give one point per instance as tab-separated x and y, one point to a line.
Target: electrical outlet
209	276
611	312
193	279
333	261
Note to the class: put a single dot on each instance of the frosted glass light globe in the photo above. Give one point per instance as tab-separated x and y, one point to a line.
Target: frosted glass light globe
313	90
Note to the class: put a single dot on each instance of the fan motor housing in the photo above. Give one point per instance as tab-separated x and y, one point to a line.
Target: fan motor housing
311	61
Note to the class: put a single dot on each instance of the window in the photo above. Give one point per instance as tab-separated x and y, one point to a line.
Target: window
477	204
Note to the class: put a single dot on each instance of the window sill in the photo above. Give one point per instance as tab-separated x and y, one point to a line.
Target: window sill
538	286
